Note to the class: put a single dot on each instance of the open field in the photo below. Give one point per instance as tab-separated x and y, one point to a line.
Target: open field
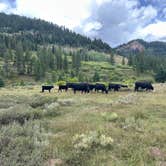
40	128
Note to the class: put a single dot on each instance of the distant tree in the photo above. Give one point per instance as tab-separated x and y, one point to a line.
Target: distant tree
65	64
6	66
161	75
96	77
19	59
112	59
2	83
123	60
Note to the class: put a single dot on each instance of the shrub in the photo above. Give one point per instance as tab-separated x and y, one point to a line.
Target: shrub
40	101
19	113
72	80
90	140
110	116
2	83
22	83
22	145
61	83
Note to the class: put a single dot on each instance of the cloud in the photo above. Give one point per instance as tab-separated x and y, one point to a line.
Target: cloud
62	12
3	7
119	20
154	31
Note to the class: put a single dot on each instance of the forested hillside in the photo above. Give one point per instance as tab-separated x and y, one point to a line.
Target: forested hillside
45	52
34	32
49	53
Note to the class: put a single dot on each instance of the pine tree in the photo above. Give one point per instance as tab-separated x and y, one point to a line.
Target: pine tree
96	77
65	64
123	60
6	66
112	59
161	75
19	59
130	60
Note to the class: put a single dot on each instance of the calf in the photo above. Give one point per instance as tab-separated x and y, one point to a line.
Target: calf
116	87
63	87
47	87
143	85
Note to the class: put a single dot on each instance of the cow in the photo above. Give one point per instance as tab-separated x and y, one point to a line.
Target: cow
83	87
91	87
63	87
70	85
116	87
47	87
101	87
143	85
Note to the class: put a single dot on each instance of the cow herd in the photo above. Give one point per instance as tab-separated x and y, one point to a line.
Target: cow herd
98	87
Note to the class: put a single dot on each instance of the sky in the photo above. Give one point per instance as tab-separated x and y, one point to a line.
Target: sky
114	21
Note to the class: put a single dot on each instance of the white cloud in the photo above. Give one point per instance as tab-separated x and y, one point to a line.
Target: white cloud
62	12
120	20
3	7
154	31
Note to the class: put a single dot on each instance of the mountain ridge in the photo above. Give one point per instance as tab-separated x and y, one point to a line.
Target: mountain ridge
156	48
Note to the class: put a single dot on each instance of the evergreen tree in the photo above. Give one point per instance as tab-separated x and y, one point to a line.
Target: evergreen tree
161	75
96	77
65	64
123	60
112	59
6	66
19	59
2	83
130	60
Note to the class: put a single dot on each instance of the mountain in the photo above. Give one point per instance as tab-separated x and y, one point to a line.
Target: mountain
41	32
155	48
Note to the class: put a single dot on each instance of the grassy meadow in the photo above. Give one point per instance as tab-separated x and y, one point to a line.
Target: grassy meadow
123	128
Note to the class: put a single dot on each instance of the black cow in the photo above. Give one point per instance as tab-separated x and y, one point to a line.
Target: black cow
47	87
70	85
63	87
101	87
91	87
116	87
143	85
83	87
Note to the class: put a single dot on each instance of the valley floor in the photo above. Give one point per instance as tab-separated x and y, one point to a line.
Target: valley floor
138	130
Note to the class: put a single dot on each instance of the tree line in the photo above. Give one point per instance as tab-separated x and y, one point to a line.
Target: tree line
148	63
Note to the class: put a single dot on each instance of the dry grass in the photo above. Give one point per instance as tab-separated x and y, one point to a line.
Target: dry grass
141	124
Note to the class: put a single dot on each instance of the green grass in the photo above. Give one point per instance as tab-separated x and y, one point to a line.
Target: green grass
139	127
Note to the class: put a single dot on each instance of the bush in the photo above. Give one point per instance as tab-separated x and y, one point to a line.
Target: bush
40	101
19	113
22	145
110	116
90	140
61	83
22	83
2	83
73	80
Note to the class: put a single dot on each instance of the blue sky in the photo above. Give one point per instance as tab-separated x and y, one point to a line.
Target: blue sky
114	21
